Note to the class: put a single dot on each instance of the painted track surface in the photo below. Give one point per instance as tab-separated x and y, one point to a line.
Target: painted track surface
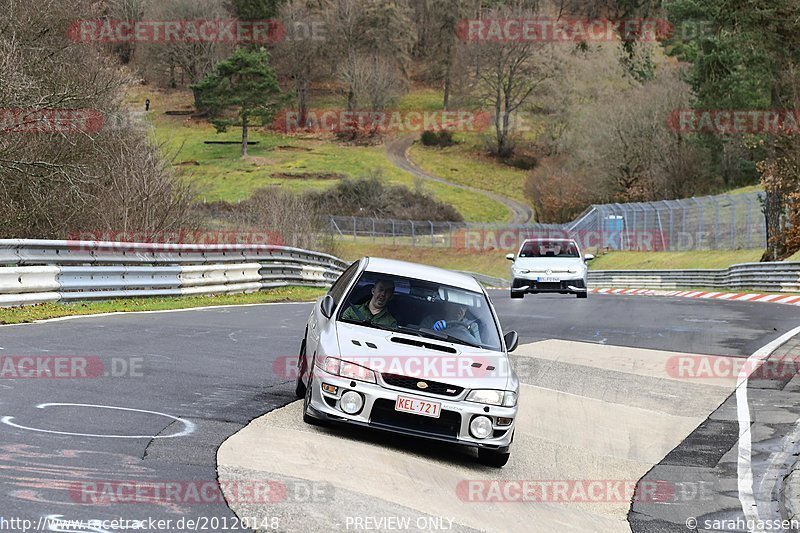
214	368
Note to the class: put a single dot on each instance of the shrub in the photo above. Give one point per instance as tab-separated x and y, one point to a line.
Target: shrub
442	138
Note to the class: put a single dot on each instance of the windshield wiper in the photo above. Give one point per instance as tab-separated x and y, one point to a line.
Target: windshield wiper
423	332
438	335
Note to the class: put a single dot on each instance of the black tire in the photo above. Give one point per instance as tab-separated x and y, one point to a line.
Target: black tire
583	295
300	387
493	458
307	418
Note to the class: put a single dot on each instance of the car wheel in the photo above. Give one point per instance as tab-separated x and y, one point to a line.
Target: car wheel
307	418
583	295
300	387
493	457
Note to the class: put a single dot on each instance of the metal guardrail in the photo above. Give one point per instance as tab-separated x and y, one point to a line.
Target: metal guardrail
769	277
39	271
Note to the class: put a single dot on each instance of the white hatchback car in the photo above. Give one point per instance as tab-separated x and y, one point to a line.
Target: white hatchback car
549	265
411	349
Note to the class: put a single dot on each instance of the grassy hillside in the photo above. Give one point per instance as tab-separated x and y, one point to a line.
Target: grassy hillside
292	162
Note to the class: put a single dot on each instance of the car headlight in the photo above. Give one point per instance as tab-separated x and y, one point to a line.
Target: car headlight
493	397
349	370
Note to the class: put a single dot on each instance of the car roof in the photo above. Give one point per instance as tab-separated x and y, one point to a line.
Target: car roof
429	273
544	239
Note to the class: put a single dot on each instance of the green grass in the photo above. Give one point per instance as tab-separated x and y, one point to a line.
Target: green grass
464	164
221	174
489	263
494	263
673	260
18	315
748	189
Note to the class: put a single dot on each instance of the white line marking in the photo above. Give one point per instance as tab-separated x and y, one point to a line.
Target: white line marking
744	467
189	427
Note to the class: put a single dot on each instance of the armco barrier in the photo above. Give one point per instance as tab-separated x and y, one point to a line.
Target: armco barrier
769	277
37	271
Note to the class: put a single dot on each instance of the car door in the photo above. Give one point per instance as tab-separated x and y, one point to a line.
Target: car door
317	320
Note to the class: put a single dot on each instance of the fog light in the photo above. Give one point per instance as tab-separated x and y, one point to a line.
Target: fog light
480	427
351	402
504	421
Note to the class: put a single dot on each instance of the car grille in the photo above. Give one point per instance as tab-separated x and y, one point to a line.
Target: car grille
434	387
447	425
558	285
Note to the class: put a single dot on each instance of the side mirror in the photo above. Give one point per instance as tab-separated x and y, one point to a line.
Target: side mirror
327	305
512	340
588	257
510	257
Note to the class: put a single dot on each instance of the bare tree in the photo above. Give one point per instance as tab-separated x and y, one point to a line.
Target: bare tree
299	57
183	63
373	83
512	73
53	182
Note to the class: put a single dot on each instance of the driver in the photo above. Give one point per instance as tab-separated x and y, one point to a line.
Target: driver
455	317
375	311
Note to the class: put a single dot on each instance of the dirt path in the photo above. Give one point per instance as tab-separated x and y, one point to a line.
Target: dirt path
397	153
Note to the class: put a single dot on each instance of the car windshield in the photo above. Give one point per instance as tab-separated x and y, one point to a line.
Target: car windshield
422	308
549	249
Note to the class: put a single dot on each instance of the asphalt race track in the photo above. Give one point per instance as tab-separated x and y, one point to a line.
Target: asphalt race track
181	383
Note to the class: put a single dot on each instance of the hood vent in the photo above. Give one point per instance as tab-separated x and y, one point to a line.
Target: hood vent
423	344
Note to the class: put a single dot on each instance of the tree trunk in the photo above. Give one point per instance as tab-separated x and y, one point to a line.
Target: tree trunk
244	137
447	76
774	200
302	102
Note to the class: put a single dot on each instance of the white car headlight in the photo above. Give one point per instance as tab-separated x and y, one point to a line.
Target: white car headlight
349	370
493	397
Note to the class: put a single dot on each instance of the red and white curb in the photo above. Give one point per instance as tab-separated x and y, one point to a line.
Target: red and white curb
793	299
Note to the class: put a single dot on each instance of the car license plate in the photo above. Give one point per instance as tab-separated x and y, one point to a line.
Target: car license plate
548	279
418	407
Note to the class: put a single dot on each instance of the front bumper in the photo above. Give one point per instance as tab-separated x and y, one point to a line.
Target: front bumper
564	286
378	412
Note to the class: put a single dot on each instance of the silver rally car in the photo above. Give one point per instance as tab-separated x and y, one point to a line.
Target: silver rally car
411	349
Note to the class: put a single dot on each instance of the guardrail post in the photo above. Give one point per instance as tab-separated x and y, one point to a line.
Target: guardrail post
373	230
354	228
450	231
393	233
432	241
413	235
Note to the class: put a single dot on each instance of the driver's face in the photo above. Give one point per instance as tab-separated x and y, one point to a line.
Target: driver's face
458	312
381	294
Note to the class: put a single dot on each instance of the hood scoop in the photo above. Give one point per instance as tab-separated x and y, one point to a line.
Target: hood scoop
423	344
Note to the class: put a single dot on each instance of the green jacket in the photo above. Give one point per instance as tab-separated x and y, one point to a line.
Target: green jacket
361	313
